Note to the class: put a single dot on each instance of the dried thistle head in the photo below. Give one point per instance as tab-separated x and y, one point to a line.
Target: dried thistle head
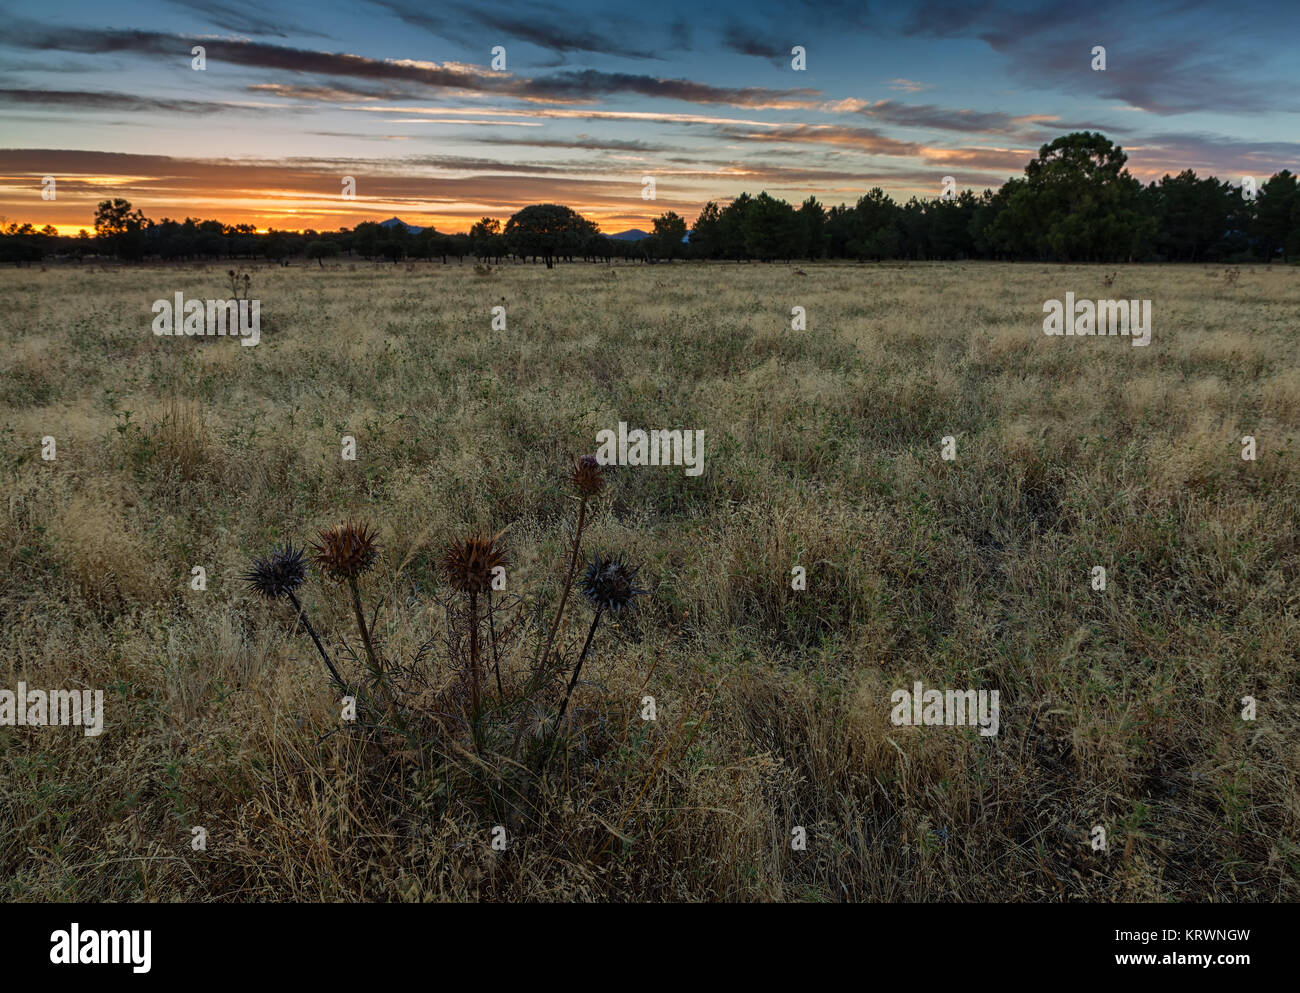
609	583
278	574
538	722
346	550
469	563
588	475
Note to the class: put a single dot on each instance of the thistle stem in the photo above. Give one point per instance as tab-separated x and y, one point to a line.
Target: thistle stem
361	625
568	581
302	616
496	653
591	633
537	679
473	653
577	669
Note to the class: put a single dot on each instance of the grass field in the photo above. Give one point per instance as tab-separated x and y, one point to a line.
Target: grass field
1120	708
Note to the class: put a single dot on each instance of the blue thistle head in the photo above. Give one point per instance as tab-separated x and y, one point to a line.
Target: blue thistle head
278	574
609	583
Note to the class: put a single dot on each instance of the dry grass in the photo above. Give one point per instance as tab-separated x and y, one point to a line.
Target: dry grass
822	447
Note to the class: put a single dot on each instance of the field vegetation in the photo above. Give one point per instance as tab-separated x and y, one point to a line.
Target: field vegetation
1120	708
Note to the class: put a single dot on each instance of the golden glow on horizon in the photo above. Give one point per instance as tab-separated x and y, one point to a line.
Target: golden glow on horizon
310	210
292	223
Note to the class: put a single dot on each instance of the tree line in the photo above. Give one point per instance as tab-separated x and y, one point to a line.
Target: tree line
1076	202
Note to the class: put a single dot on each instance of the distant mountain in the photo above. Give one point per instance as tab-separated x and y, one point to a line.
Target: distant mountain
636	234
397	222
632	234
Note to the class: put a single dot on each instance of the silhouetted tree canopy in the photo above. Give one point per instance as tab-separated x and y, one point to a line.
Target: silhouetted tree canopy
1076	202
548	231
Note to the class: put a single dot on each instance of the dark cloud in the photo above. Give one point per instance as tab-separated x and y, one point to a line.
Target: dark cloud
589	84
581	142
550	28
769	30
859	139
943	118
1008	160
744	39
338	92
680	35
103	101
1183	69
962	121
1153	155
584	85
838	15
550	32
244	18
754	176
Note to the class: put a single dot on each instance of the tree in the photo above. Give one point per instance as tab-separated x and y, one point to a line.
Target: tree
486	239
1192	216
669	230
812	224
770	229
548	231
706	234
874	227
120	228
1277	216
732	225
321	250
916	226
366	238
21	243
1077	202
275	247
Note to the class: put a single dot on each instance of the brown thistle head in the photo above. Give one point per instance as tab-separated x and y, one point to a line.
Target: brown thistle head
346	550
469	563
588	475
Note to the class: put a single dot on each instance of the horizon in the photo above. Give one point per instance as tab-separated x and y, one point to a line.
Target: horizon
408	104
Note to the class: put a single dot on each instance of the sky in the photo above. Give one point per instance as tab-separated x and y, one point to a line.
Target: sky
594	97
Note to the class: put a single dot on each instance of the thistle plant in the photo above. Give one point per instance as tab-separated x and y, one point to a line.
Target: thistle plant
344	553
279	575
349	550
588	479
607	584
239	283
470	565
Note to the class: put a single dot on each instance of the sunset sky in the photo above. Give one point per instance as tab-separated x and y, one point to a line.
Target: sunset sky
703	97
